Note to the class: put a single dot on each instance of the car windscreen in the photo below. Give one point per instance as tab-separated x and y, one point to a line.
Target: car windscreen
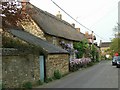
119	58
115	58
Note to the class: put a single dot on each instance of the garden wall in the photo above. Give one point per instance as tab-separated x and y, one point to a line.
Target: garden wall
57	62
19	68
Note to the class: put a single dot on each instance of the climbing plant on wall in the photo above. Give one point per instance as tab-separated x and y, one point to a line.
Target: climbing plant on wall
82	48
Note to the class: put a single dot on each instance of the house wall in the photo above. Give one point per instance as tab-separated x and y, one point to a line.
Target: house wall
30	26
57	62
56	41
103	49
19	69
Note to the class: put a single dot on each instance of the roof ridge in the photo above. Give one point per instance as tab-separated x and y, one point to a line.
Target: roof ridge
53	16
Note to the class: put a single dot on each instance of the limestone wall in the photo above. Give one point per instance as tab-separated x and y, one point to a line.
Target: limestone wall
30	26
57	62
17	70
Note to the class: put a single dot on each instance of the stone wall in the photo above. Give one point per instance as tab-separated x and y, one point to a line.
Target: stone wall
57	62
19	69
30	26
56	40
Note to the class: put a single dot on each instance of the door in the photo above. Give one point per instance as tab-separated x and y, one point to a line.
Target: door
41	68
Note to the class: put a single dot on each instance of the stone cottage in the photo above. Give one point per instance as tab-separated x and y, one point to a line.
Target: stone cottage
21	66
55	30
50	40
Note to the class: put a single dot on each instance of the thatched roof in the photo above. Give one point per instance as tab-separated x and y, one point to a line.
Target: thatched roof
52	25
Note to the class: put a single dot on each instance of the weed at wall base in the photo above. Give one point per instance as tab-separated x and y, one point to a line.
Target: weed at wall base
57	74
27	85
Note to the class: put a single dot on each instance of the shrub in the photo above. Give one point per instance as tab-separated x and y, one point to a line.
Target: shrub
76	64
90	64
39	82
57	74
48	80
27	85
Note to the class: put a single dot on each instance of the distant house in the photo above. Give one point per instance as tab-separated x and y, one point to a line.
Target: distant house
90	37
104	47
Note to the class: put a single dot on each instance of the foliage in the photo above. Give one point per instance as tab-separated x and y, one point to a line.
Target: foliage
115	45
10	43
48	80
68	47
57	74
82	48
76	64
39	82
11	11
94	53
27	85
2	86
90	64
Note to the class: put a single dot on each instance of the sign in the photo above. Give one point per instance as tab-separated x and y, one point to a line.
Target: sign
116	54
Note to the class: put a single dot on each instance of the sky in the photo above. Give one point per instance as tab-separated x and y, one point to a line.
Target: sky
100	16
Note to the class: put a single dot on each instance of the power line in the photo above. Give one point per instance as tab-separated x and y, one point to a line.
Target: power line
75	19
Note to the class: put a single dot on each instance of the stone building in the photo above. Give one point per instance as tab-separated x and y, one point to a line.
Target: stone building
50	39
39	63
90	37
56	31
104	47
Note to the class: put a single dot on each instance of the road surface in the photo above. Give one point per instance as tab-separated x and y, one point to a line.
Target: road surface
101	75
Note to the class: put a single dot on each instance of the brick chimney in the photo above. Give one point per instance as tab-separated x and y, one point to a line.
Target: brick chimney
86	34
59	15
23	3
78	29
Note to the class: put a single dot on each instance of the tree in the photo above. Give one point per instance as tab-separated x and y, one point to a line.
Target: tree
115	45
13	11
82	48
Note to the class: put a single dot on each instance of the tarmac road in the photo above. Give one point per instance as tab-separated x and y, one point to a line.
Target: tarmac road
101	75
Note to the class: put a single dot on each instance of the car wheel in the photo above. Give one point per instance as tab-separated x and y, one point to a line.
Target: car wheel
112	64
117	66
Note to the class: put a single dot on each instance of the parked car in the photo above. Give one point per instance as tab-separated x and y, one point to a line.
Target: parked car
118	62
114	60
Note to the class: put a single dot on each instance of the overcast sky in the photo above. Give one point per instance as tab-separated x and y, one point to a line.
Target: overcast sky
98	15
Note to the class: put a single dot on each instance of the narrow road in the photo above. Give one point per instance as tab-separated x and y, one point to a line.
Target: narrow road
101	75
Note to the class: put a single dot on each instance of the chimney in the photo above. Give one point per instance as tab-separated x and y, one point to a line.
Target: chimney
59	15
86	34
78	29
73	25
23	3
100	43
